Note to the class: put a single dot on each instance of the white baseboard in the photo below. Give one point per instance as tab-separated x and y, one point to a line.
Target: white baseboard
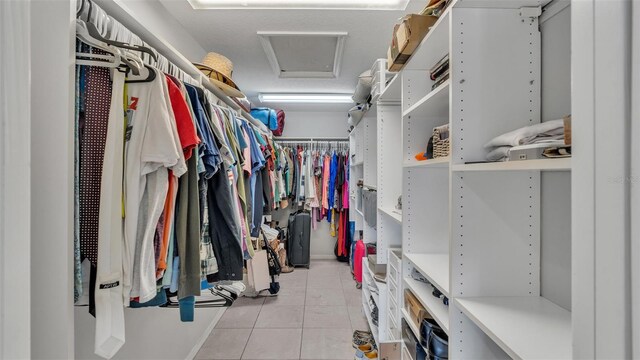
205	335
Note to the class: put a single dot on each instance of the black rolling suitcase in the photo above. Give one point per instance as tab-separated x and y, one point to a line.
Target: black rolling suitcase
299	239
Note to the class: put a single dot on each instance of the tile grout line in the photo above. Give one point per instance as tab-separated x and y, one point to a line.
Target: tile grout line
252	329
304	313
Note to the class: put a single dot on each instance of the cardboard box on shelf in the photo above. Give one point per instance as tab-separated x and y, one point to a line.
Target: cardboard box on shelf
407	35
414	308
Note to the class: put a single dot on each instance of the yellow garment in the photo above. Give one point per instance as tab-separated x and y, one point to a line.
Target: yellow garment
333	222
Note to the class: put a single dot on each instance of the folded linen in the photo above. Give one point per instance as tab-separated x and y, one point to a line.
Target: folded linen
549	130
499	154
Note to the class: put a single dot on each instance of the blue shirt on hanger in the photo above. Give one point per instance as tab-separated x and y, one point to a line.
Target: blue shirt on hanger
210	153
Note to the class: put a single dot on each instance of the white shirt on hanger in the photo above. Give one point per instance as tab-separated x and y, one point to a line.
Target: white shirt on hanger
150	148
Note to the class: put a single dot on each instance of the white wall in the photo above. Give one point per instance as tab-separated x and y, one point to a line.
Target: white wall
156	18
315	124
52	104
15	219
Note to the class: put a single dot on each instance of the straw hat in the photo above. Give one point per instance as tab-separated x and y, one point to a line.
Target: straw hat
219	70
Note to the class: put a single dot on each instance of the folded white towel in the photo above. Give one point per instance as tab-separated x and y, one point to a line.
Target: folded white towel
549	130
499	154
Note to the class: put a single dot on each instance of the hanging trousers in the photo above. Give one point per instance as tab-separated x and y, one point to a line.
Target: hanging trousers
224	228
258	204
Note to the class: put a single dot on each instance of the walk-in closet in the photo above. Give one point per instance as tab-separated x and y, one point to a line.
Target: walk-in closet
319	179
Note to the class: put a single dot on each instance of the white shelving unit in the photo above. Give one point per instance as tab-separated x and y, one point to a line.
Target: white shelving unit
380	298
520	248
379	133
494	238
356	172
389	176
394	295
475	230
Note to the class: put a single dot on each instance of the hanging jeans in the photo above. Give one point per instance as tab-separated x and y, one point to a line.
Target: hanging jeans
224	228
258	204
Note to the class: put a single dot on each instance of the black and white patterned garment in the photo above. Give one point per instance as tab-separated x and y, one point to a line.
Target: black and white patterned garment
94	135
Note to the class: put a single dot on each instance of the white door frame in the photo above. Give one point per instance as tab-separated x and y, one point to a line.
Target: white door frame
15	180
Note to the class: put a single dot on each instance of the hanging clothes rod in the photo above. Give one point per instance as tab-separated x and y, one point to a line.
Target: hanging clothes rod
310	139
114	19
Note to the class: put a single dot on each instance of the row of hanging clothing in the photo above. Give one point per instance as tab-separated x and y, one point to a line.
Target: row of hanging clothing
316	179
170	188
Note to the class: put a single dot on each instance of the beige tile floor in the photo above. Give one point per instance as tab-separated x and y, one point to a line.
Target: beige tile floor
313	317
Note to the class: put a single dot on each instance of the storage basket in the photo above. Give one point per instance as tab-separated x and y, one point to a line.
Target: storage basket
441	142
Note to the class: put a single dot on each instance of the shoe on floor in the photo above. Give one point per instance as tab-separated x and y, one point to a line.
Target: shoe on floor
371	354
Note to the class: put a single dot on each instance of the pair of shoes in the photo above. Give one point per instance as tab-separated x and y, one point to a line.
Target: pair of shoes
361	338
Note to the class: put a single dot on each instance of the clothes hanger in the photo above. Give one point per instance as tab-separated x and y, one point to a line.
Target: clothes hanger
112	59
131	59
224	301
116	55
93	31
151	76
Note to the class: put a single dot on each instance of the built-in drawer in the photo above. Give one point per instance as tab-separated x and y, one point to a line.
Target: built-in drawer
394	258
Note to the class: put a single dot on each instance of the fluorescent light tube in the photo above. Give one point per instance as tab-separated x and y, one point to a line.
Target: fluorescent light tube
306	98
301	4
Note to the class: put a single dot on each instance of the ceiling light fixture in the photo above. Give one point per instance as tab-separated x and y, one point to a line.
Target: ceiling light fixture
301	4
306	98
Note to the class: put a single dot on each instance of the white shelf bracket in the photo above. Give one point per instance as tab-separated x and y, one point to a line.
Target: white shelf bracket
530	13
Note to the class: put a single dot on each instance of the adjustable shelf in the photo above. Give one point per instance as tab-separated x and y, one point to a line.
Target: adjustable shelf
524	327
392	213
442	162
562	164
435	267
392	92
434	46
435	103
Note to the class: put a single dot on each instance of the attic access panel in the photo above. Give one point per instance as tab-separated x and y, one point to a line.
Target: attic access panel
304	54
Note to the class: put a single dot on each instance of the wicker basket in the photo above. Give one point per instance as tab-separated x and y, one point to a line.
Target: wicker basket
441	143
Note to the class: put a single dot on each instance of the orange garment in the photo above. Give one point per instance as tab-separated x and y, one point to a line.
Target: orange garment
169	207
